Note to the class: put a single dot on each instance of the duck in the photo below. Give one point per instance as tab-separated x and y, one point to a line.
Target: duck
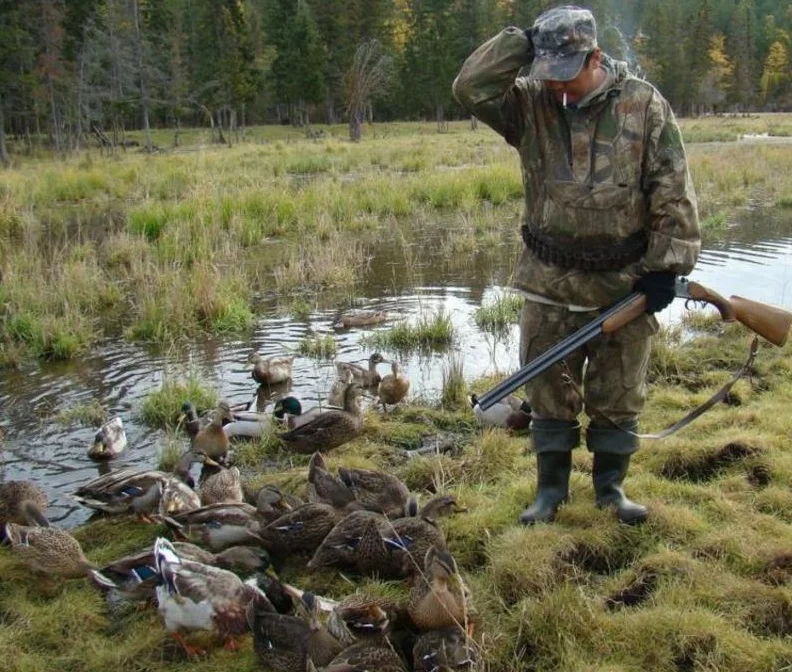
48	551
177	497
329	430
124	491
437	598
290	410
218	526
272	502
446	649
511	412
22	502
441	506
335	396
366	376
134	577
360	318
211	439
349	540
196	596
409	537
190	420
271	370
221	484
324	487
247	425
378	656
109	441
299	530
286	643
376	490
393	387
360	616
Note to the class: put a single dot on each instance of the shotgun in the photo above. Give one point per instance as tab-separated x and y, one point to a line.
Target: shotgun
768	321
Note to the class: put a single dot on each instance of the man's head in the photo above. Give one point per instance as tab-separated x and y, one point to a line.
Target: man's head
566	54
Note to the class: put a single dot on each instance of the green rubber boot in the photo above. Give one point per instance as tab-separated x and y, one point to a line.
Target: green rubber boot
553	441
608	474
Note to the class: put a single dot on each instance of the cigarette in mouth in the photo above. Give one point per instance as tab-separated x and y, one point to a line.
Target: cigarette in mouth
564	99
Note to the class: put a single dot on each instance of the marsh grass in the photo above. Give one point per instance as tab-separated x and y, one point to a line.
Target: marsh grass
162	407
499	314
89	413
318	345
454	394
432	330
704	584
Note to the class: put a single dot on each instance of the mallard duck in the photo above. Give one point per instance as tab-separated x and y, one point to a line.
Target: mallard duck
329	430
342	545
511	412
300	530
286	643
196	596
247	425
272	369
376	490
335	397
408	538
393	387
109	441
437	598
218	526
124	491
23	503
220	484
134	577
48	550
440	506
361	616
211	439
360	318
365	656
447	649
177	497
272	502
290	411
324	487
365	376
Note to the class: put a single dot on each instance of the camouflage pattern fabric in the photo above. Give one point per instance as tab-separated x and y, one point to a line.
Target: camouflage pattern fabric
561	38
594	176
615	375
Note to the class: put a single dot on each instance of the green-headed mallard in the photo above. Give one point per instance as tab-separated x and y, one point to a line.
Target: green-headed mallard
211	439
366	376
196	596
290	410
109	441
329	430
393	387
437	598
23	503
511	412
134	577
219	526
48	550
376	490
271	370
448	649
286	643
300	530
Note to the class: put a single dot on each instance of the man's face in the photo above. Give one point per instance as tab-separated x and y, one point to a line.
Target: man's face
576	89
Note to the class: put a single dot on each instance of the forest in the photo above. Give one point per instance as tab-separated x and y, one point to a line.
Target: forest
84	71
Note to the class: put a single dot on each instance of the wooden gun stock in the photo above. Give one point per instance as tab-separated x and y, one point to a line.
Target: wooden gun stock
768	321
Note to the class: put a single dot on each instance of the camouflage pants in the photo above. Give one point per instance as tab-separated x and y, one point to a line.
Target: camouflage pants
611	368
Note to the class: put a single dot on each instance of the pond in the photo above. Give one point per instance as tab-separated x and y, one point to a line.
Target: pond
754	259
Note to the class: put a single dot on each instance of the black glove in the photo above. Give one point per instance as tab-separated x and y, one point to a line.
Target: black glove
659	289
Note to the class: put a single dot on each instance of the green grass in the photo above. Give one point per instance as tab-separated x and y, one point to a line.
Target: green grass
318	345
498	315
162	407
432	330
704	584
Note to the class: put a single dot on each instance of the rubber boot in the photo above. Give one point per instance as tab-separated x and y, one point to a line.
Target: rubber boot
608	474
553	441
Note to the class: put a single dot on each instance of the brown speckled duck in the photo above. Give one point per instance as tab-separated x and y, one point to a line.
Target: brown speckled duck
365	656
23	503
211	439
437	598
48	550
447	649
271	370
366	376
299	530
329	430
376	490
393	387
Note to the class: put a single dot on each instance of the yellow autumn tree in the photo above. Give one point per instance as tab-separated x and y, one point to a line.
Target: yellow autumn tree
775	80
718	81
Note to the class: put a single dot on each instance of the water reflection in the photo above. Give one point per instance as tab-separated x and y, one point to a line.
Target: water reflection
754	260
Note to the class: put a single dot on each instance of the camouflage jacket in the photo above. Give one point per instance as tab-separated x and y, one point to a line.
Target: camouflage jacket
599	177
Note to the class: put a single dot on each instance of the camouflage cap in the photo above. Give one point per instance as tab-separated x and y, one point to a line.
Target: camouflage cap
561	38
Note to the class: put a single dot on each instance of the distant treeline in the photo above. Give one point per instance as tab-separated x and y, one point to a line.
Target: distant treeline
76	68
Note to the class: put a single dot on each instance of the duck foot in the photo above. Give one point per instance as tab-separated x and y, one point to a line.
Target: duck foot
192	651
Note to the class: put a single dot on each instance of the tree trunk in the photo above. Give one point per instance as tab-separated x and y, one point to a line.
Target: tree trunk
473	123
354	126
442	125
4	158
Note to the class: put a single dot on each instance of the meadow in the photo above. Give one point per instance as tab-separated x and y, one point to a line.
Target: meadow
162	248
